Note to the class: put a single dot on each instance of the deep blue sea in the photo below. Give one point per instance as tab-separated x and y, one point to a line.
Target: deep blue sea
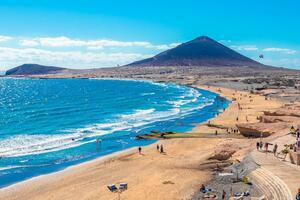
49	124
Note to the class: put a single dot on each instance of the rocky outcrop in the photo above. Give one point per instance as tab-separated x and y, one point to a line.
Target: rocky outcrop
275	119
283	112
261	129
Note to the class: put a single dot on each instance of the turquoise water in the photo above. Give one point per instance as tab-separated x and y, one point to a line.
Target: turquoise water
47	125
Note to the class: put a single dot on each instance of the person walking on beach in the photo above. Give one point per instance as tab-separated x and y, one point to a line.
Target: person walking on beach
161	149
275	149
223	195
266	147
157	148
257	145
261	145
140	150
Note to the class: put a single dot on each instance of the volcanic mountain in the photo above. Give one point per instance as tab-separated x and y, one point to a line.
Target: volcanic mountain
33	69
202	51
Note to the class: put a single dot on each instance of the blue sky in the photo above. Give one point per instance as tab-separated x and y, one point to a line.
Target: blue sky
90	33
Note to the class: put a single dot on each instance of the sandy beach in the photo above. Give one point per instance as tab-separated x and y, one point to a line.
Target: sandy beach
149	100
177	174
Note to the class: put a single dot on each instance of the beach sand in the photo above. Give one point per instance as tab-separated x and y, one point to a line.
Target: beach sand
174	175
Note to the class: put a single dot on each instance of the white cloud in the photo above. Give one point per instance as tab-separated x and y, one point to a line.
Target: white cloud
64	51
245	47
4	38
280	50
30	43
10	57
284	62
89	44
225	41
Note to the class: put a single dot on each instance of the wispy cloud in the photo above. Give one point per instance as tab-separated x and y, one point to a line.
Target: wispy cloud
63	41
244	47
74	59
225	41
280	50
284	62
4	38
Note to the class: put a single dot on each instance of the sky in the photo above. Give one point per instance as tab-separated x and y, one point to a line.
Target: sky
105	33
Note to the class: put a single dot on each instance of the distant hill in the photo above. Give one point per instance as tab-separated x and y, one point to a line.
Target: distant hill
202	51
33	69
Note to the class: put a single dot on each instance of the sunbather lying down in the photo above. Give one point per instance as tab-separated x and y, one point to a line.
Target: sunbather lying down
239	195
204	189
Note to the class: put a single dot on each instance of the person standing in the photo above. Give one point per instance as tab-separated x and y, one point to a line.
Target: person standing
257	145
223	195
275	149
140	150
157	147
260	145
161	149
266	147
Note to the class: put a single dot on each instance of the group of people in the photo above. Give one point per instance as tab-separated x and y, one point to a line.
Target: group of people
232	130
260	146
158	148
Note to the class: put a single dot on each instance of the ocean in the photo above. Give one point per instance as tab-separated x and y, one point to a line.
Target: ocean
47	125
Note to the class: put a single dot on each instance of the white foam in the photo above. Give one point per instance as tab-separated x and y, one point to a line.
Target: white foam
8	167
19	166
138	113
147	94
134	80
22	145
190	96
35	144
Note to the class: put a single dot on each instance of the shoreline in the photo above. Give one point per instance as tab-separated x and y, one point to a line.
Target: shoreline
113	155
102	159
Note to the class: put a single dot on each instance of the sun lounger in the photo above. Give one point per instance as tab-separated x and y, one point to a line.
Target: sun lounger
112	188
238	196
123	186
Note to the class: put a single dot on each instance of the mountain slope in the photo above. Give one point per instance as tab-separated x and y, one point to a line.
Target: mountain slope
33	69
202	51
